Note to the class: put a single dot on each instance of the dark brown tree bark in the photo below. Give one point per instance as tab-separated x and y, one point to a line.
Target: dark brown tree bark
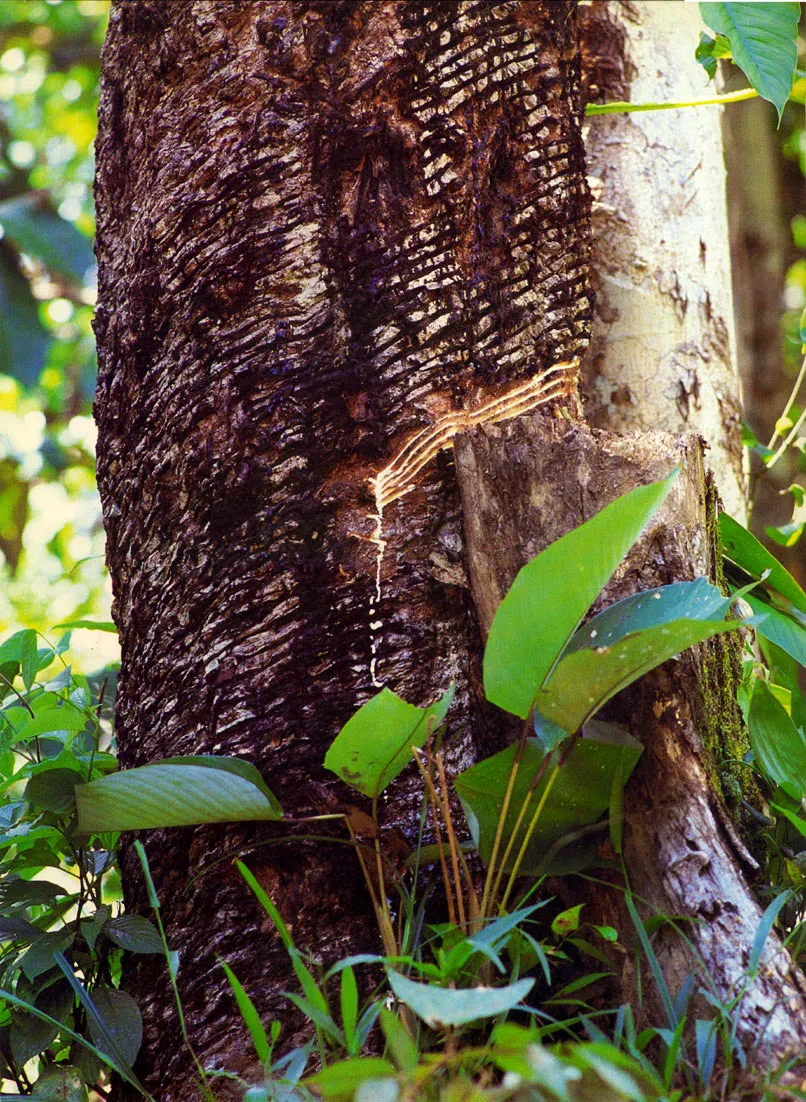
322	227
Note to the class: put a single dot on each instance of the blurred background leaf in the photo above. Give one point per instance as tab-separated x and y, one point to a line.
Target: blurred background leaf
51	534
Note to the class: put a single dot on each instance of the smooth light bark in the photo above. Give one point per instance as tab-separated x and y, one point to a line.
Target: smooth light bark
663	347
321	228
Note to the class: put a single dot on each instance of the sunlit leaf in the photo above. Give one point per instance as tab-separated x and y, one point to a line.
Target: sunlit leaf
763	43
552	593
175	792
627	640
339	1082
375	745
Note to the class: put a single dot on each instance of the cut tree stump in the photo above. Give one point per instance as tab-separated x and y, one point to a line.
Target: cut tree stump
528	482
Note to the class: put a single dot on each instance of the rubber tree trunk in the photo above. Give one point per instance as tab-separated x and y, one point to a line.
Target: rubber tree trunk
322	228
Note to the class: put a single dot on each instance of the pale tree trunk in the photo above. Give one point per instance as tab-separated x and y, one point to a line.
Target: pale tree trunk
662	357
322	227
663	350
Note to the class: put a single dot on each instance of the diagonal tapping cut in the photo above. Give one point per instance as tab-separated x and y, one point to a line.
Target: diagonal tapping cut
400	475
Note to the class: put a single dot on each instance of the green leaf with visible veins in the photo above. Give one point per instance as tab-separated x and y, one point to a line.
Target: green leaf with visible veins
175	792
763	43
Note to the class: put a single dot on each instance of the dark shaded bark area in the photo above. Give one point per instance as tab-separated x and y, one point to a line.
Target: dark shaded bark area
528	483
321	226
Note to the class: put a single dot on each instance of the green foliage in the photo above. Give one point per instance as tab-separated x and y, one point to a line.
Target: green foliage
440	1007
175	792
550	595
626	641
375	745
762	40
62	1012
579	795
51	541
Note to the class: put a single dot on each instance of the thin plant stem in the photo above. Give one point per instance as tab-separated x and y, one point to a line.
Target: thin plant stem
619	106
528	835
538	777
387	934
446	815
490	884
434	803
472	898
789	401
793	432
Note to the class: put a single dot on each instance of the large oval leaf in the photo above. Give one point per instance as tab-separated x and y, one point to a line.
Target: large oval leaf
175	792
552	593
375	745
763	42
627	640
580	794
442	1006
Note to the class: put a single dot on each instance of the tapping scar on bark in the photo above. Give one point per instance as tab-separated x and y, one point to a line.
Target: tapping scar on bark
400	475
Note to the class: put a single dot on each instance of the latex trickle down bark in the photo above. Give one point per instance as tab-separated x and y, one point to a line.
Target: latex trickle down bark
401	474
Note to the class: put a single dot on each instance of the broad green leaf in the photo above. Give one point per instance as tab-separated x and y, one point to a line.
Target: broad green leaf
445	1006
709	50
552	593
20	1004
91	927
567	921
36	229
627	640
42	954
745	550
339	1082
763	43
135	933
51	713
779	747
32	892
29	1036
53	790
579	796
121	1017
61	1083
175	792
13	648
375	745
23	340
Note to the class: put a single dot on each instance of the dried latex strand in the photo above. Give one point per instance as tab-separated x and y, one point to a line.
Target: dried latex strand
398	477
